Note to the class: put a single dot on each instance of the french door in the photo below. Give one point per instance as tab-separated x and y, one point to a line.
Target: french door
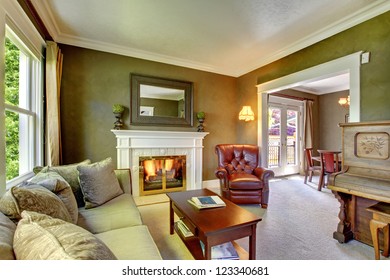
284	136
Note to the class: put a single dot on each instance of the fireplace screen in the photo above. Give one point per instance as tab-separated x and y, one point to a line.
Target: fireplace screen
160	174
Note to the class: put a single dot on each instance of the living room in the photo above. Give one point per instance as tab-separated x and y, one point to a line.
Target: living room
94	79
103	79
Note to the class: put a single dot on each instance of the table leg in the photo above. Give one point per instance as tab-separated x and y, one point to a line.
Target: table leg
321	179
207	251
252	243
171	218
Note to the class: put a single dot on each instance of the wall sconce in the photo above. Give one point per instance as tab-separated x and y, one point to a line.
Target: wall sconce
344	101
246	114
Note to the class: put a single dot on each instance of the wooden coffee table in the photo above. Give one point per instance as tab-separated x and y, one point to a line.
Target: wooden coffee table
212	226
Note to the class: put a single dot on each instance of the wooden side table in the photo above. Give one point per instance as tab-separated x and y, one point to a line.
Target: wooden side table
380	221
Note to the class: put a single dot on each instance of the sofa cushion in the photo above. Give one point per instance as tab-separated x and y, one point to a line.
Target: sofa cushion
7	231
98	182
33	198
55	183
41	237
119	212
71	175
124	178
139	243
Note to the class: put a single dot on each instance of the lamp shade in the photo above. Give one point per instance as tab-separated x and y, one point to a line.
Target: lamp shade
246	114
344	101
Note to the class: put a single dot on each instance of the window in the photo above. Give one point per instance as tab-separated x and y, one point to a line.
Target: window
23	110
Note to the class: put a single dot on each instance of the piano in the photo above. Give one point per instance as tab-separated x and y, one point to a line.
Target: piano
364	179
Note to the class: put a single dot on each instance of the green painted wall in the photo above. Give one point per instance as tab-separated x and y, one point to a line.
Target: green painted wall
93	81
372	35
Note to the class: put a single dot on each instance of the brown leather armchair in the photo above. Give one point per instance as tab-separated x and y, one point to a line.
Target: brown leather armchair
242	179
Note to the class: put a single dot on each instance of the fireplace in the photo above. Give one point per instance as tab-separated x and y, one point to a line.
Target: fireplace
161	174
135	144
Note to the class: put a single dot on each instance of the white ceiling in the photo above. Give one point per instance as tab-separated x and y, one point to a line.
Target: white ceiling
327	85
230	37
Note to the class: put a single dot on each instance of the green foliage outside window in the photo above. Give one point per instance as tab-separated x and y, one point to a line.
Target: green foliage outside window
12	119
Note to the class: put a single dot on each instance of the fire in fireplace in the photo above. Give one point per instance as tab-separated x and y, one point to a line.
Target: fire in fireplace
161	174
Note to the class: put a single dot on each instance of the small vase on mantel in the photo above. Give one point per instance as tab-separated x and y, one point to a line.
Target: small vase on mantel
201	117
118	109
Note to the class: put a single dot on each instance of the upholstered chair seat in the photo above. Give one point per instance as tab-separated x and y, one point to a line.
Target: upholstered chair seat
239	181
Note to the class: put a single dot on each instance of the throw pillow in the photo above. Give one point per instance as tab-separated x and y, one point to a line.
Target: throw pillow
34	198
8	206
40	237
55	183
98	182
71	175
7	230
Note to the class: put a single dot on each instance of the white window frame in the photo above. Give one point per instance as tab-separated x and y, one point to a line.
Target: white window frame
13	16
31	141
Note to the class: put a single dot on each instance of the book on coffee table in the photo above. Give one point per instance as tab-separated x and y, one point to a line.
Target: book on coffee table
204	202
184	230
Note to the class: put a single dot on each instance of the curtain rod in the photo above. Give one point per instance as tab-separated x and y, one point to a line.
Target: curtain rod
291	97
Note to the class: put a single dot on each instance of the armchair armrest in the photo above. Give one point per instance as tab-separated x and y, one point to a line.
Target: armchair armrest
222	175
124	178
264	174
221	172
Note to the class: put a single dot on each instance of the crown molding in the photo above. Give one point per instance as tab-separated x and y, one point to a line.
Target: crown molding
30	11
46	15
136	53
21	25
367	13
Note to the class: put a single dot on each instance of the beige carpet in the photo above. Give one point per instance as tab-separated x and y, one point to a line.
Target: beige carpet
298	225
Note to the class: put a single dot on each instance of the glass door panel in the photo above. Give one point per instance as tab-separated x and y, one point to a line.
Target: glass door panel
283	140
274	137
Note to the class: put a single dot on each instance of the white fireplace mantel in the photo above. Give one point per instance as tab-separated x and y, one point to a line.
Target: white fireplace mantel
132	144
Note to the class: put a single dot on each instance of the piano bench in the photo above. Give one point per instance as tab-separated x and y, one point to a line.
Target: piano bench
380	221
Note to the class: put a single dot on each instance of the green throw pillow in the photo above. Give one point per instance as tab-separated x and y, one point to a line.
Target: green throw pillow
41	237
71	175
33	198
54	182
98	182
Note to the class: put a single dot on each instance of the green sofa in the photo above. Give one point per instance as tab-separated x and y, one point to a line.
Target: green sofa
113	229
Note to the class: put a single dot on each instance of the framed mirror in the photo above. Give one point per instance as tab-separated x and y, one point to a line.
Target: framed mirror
159	101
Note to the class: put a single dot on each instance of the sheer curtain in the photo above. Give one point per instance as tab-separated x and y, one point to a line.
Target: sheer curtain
54	59
308	124
307	129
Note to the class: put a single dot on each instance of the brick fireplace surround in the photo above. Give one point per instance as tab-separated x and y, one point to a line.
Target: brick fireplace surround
132	144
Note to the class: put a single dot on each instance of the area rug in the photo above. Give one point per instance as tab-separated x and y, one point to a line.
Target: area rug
298	225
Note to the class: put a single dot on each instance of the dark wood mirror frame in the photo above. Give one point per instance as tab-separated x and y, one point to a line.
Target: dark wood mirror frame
137	119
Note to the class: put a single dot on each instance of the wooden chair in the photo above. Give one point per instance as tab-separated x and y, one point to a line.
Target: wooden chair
329	164
310	167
